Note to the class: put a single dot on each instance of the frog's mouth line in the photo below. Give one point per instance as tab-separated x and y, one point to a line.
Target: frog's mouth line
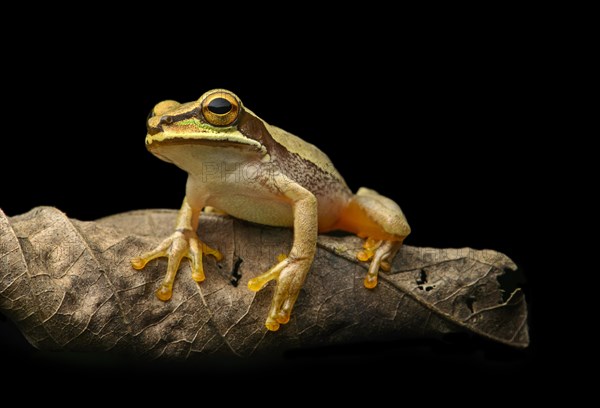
152	142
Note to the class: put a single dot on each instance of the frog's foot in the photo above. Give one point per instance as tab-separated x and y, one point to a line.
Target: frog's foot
290	274
182	243
381	254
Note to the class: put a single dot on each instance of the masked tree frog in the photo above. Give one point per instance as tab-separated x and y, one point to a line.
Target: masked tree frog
287	183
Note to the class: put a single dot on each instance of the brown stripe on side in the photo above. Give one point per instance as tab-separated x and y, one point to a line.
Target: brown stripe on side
254	128
294	166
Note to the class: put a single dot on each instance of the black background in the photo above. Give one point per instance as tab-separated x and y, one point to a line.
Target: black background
456	99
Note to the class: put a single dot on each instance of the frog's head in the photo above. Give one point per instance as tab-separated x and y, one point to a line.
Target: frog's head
217	119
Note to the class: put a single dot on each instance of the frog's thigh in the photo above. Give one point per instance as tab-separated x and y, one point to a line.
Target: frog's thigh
370	214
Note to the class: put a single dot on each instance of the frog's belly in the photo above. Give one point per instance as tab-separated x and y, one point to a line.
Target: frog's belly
255	209
273	211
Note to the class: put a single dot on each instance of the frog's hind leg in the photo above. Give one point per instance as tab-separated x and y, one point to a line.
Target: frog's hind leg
381	221
381	254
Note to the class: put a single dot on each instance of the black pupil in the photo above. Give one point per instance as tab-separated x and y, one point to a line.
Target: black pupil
220	106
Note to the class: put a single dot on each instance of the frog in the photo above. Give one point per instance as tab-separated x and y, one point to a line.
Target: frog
240	165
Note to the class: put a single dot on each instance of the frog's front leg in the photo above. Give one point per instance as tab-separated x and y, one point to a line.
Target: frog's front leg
381	222
290	273
184	242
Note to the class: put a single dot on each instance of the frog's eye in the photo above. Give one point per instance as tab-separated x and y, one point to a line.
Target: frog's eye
220	109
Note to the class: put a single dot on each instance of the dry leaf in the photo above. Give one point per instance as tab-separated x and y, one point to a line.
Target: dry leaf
68	285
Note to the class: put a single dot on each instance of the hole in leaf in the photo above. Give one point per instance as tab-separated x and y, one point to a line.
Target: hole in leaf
510	281
469	301
422	279
236	275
